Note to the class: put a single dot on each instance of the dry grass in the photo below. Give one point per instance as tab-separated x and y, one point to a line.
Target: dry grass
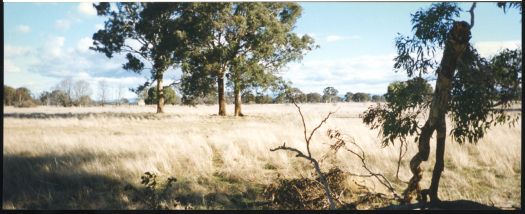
80	158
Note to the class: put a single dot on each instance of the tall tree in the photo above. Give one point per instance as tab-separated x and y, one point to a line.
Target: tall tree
329	94
103	91
152	27
22	96
67	86
9	95
81	89
474	91
348	96
246	43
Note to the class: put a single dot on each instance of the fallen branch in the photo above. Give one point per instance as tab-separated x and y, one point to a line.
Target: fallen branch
341	143
309	157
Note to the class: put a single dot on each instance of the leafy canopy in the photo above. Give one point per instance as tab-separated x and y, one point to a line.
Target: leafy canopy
481	88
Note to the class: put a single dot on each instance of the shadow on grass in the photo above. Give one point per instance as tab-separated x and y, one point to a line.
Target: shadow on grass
443	205
56	182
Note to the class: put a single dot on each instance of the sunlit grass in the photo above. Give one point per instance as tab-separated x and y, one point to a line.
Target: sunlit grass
80	158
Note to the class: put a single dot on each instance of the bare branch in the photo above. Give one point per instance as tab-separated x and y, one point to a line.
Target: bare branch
309	156
304	125
471	11
335	134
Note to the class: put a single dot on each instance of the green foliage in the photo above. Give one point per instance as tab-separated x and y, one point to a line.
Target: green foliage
248	97
20	97
481	91
409	94
170	97
378	98
246	42
263	99
360	97
348	96
330	94
9	95
56	97
416	54
398	119
313	97
152	25
154	195
506	5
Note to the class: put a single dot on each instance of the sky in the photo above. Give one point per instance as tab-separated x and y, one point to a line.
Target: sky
45	43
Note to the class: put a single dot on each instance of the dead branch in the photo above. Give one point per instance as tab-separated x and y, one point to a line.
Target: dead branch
309	157
341	142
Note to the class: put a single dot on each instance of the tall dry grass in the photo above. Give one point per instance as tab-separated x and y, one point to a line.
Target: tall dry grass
80	158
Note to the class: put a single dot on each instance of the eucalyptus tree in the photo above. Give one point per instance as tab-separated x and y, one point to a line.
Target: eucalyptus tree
152	27
472	90
246	43
329	93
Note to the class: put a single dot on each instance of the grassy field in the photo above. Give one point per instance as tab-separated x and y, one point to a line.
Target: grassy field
83	158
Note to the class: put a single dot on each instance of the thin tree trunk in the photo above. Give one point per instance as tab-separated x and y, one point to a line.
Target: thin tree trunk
440	160
455	46
222	101
238	101
160	95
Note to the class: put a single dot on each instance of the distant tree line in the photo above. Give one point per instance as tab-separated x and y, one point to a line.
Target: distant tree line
19	97
68	93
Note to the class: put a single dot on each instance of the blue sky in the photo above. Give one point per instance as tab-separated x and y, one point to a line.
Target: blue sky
47	42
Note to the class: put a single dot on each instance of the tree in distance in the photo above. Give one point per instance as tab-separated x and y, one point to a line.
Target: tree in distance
330	95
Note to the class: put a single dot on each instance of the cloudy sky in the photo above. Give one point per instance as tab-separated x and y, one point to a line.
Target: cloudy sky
47	42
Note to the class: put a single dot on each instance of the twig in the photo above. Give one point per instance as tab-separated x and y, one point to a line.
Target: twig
380	177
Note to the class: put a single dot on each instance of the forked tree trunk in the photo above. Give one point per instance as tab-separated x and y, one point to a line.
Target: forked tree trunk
160	95
238	101
222	101
455	46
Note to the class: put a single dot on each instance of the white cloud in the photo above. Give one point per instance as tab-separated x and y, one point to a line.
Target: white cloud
10	67
62	24
84	44
16	51
370	74
490	48
87	8
23	29
335	38
53	47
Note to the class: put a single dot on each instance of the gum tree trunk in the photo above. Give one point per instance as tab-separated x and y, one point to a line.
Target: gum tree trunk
238	102
160	96
455	46
222	101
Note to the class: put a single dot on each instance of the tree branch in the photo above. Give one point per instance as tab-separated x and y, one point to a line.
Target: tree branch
309	156
471	11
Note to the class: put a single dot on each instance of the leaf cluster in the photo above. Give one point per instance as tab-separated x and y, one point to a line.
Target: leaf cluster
482	91
416	54
399	117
